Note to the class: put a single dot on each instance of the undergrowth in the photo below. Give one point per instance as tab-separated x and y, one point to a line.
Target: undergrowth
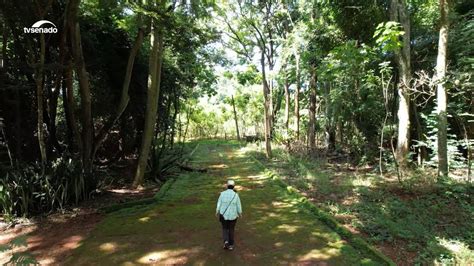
432	220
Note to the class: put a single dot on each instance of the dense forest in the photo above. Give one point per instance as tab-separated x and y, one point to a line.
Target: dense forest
364	107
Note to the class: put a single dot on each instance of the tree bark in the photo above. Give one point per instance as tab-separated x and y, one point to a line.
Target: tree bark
69	104
175	116
312	111
86	104
52	114
58	83
39	102
330	134
441	91
287	104
297	96
235	118
399	13
267	107
154	79
3	60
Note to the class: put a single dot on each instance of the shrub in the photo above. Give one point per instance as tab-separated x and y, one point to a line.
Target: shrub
26	190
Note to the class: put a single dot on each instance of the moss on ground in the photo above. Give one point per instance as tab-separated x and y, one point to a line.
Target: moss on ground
181	227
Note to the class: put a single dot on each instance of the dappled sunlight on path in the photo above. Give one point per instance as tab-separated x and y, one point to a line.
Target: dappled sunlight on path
182	229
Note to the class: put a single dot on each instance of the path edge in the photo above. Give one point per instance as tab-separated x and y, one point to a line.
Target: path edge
323	216
146	201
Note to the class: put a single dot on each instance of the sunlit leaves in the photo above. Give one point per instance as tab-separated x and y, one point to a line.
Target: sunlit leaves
387	36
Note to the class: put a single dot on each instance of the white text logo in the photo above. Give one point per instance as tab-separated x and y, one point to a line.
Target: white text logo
35	28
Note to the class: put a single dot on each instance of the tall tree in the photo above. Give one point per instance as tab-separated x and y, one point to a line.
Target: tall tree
399	13
441	89
287	102
312	110
267	106
84	89
153	91
297	95
39	77
235	118
254	27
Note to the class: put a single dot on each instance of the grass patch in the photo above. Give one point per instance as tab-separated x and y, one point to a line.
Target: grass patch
181	228
303	203
421	223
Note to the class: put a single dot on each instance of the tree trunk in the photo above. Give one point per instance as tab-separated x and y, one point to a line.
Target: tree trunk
297	101
421	150
3	60
175	116
441	91
330	134
39	101
267	107
154	79
58	83
235	118
86	105
125	98
312	111
287	105
53	112
69	104
398	12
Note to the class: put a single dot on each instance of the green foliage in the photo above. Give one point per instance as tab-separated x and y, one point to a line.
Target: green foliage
355	94
27	191
430	218
455	145
322	215
387	36
250	76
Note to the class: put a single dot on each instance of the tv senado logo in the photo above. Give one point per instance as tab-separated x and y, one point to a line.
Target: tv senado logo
36	28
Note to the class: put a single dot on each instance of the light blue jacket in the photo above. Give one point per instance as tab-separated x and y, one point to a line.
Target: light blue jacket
227	199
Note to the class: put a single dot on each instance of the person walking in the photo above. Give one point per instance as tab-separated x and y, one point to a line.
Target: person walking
228	210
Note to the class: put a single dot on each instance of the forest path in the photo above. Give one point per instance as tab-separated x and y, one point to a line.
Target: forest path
182	229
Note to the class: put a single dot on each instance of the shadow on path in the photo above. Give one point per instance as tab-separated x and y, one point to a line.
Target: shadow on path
182	229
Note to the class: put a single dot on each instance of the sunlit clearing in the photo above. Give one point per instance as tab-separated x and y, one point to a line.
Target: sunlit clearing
167	257
362	182
460	253
256	177
288	228
218	166
333	208
280	204
124	191
108	247
144	219
318	254
310	176
272	214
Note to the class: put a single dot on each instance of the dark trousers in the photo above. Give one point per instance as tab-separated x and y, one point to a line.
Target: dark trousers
228	227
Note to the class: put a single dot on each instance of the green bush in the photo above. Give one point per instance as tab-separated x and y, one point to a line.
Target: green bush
26	190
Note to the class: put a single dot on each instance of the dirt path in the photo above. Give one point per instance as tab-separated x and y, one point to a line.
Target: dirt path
51	239
182	228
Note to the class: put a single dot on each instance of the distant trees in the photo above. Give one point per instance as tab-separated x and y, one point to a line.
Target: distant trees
120	82
344	75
